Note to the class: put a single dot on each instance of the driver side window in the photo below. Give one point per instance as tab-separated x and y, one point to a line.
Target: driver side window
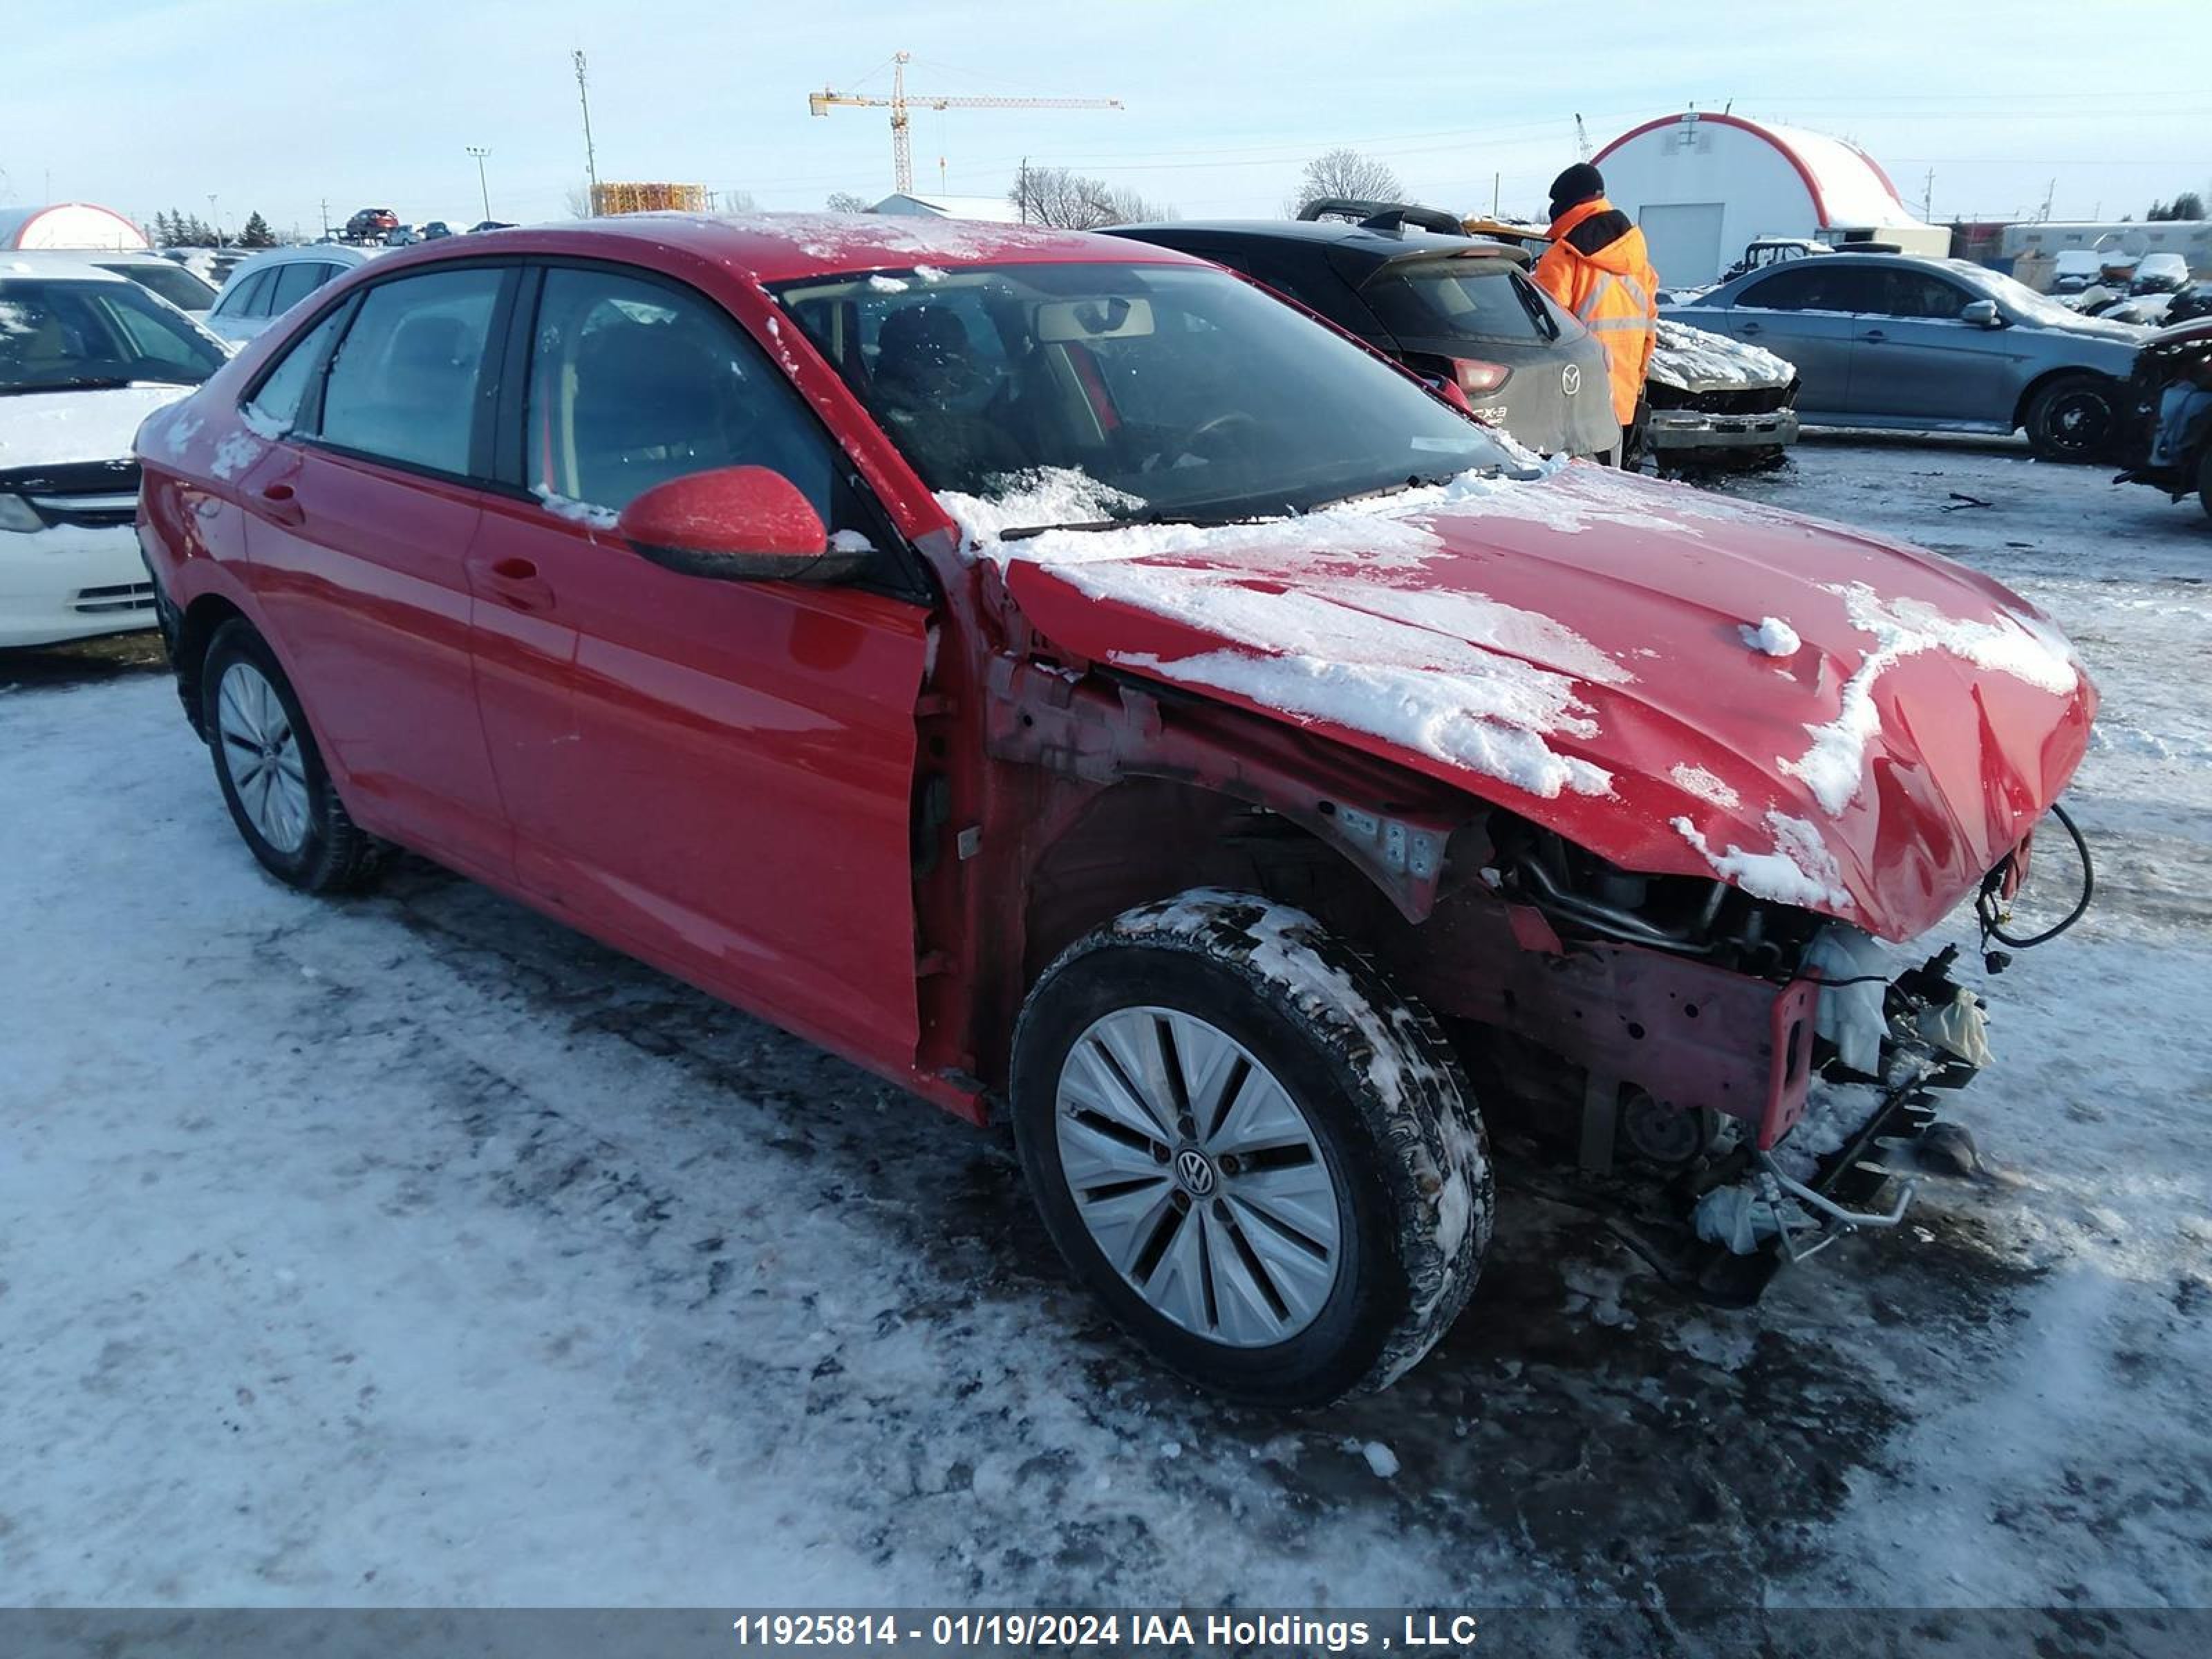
633	383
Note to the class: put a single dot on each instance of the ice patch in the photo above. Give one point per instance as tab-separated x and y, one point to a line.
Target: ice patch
234	455
1706	785
262	425
883	284
1381	1459
1799	871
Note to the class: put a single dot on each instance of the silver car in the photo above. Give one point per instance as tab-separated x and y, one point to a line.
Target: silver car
1894	340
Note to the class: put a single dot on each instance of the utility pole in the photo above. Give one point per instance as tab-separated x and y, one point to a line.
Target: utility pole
480	151
326	217
1496	180
2044	217
591	159
1928	198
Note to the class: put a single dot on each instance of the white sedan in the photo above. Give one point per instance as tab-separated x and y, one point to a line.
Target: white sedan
85	355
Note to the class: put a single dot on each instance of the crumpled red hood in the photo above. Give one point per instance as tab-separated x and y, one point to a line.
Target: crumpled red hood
1587	650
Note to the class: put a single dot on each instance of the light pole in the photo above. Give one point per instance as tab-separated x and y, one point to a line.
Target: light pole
480	151
216	217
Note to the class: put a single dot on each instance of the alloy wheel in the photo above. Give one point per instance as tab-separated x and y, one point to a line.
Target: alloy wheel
1199	1176
260	755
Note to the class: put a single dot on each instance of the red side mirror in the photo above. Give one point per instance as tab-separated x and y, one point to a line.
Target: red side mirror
733	524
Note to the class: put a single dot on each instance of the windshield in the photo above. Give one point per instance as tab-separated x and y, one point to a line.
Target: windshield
172	283
1185	392
2019	298
62	333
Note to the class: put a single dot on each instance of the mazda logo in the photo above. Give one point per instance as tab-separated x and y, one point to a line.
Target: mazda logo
1571	378
1195	1171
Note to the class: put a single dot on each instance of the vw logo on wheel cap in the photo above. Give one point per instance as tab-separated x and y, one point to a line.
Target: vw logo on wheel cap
1195	1172
1571	378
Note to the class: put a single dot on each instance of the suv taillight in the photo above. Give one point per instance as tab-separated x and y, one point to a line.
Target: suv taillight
1477	377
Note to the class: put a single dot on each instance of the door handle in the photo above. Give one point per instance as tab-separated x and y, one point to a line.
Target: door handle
515	581
1874	334
1748	328
279	502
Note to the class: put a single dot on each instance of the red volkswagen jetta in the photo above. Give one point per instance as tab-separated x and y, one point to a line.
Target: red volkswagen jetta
1051	671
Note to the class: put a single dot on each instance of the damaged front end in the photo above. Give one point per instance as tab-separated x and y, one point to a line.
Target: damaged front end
1732	1083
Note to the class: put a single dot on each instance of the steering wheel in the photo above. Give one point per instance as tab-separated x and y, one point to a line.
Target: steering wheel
1239	426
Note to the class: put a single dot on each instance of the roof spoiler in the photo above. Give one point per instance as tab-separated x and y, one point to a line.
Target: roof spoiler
1383	216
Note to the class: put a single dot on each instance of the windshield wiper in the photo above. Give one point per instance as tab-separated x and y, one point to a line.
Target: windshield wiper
1413	481
1028	532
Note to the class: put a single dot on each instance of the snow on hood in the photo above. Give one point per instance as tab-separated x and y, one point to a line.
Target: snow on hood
1694	361
55	428
1680	683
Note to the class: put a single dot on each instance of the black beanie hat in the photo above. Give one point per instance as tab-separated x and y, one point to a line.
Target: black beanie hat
1577	184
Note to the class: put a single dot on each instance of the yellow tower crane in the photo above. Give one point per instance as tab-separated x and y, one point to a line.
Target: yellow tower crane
819	103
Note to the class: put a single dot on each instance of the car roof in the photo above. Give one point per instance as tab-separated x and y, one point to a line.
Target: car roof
75	262
775	247
329	253
1383	245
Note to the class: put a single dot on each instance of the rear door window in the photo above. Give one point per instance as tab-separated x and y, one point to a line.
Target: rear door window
406	383
1457	297
1813	284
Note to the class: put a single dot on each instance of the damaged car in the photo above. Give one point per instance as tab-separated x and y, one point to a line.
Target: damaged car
1064	680
1716	402
2168	436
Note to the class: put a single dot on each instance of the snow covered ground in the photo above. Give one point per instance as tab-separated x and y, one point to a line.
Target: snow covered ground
410	1249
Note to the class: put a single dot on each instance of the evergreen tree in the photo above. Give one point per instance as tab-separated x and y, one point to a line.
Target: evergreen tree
257	232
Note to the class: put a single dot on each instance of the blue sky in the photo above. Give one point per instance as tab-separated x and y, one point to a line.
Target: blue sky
276	106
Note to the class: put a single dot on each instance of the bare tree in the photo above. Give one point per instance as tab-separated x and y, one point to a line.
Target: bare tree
580	202
843	201
1068	201
733	201
1344	173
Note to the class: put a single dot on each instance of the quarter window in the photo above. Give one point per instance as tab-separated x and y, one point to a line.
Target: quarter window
405	382
242	300
632	383
278	401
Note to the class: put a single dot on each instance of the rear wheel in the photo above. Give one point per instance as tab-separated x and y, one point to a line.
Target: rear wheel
2074	418
270	772
1261	1157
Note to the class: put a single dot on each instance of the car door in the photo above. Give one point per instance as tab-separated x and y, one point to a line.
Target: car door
1804	312
716	775
1916	358
359	524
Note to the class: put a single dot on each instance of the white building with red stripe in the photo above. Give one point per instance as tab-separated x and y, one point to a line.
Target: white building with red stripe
69	225
1704	187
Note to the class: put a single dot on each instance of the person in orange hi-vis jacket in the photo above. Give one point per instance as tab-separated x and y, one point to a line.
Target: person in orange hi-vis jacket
1598	268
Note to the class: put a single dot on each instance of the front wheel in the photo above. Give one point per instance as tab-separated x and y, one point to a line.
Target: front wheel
2074	418
1261	1157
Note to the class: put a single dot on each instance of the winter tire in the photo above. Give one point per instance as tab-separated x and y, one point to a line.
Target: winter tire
2074	418
1261	1157
270	772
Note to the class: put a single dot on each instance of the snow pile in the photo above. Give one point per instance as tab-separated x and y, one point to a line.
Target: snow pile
1773	637
1799	870
54	428
883	284
1694	361
2024	647
575	512
1025	501
262	425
